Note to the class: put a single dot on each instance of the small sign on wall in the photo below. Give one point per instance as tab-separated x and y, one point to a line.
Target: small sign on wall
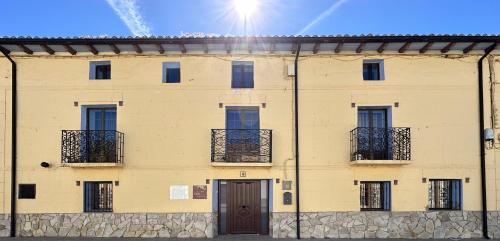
179	192
199	191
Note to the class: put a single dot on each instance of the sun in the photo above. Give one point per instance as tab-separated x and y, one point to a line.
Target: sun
245	8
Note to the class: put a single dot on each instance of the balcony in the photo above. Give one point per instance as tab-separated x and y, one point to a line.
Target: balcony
89	148
386	146
241	147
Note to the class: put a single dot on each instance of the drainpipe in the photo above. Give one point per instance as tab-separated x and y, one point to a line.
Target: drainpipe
13	154
481	141
297	186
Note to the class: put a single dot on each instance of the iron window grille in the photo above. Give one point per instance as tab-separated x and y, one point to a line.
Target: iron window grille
98	197
92	146
445	194
241	145
371	143
375	196
242	74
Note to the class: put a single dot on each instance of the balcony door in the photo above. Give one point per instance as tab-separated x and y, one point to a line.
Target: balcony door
242	134
373	133
101	134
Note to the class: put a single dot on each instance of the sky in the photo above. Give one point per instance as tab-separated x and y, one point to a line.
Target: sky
63	18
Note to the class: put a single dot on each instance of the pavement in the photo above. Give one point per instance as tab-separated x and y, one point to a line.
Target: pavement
219	238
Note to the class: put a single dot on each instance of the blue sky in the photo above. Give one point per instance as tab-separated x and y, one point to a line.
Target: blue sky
273	17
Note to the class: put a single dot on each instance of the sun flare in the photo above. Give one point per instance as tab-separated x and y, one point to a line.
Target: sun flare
245	8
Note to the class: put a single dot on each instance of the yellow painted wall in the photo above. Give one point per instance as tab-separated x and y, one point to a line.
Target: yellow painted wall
167	128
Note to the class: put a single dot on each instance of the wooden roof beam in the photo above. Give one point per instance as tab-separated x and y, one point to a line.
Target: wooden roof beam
469	48
69	49
92	49
47	49
115	49
25	49
205	48
448	47
137	48
382	46
316	48
338	48
272	47
183	48
426	47
294	48
360	48
404	47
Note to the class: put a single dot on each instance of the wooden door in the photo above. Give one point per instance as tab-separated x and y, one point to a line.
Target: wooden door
244	207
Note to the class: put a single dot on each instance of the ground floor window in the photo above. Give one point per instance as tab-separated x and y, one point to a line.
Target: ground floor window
98	197
445	194
375	196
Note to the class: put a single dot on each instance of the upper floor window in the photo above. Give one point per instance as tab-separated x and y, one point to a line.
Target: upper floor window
98	197
375	196
373	69
100	70
445	194
242	74
171	72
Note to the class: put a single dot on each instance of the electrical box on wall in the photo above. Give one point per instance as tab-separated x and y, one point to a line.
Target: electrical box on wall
291	69
287	198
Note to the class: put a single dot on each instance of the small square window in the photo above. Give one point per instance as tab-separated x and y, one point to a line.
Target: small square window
373	70
445	194
242	74
171	72
375	196
100	70
27	191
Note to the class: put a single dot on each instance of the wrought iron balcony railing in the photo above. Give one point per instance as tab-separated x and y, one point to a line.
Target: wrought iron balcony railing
242	145
89	146
380	143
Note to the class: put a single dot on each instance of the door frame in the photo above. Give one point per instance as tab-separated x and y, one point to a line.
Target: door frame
269	183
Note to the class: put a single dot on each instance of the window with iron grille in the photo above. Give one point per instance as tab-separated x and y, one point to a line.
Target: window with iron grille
100	70
445	194
98	197
375	196
242	74
373	69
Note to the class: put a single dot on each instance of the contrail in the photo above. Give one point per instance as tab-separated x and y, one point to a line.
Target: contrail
323	15
128	12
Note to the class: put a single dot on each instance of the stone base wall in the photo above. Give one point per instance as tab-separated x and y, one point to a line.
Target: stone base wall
180	225
4	225
372	224
438	224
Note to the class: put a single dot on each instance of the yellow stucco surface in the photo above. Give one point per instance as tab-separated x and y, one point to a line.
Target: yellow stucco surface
167	128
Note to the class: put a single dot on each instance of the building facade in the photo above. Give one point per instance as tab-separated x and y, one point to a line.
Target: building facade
198	137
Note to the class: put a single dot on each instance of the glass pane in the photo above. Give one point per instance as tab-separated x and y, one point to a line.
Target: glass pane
95	119
103	71
264	206
173	75
378	119
223	207
110	119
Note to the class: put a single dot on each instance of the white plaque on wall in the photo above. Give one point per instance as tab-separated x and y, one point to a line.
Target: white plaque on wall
179	192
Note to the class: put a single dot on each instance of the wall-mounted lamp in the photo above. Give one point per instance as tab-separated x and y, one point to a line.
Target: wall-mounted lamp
45	165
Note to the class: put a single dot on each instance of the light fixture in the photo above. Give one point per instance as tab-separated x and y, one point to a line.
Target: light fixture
44	164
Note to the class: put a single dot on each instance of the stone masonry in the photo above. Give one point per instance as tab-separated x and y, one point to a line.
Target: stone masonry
431	224
372	224
180	225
